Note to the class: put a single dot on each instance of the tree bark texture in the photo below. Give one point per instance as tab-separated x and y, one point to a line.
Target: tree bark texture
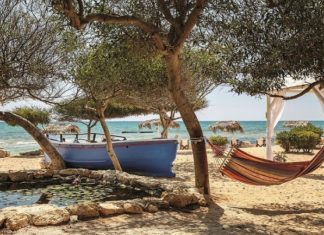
191	122
57	162
109	146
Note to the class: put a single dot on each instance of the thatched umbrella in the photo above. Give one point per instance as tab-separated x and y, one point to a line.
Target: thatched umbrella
291	124
55	129
155	123
226	126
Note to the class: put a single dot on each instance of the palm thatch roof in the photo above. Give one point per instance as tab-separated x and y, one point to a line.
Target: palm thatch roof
226	126
156	122
295	123
61	129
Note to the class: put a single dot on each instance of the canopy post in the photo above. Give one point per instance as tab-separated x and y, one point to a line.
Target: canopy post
269	131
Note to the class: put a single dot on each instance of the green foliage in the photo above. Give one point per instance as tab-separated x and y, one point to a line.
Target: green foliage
309	127
280	157
300	138
34	115
218	140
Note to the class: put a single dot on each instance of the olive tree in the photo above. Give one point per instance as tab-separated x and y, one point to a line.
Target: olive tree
30	63
169	26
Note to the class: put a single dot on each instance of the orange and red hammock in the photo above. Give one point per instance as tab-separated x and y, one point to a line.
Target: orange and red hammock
248	169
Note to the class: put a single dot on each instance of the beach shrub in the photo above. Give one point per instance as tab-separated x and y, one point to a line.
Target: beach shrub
309	127
283	139
280	157
218	140
300	138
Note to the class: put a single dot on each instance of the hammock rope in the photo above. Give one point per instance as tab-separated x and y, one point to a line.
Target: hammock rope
241	166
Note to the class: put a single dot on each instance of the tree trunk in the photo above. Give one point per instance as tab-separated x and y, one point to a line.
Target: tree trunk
165	124
89	133
57	162
191	122
164	133
109	146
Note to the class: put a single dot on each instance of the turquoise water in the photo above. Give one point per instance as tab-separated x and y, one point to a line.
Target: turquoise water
16	140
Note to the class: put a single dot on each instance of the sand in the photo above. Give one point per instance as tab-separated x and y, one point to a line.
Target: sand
296	207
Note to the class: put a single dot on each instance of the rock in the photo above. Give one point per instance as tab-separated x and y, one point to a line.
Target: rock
151	208
109	176
4	153
132	208
3	176
73	218
18	176
74	171
54	217
179	199
159	203
108	208
2	220
225	226
123	177
31	153
84	210
17	221
96	175
41	174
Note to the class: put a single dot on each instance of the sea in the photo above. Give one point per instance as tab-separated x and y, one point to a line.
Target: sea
16	140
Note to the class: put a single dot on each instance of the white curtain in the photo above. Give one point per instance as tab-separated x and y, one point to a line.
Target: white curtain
320	95
275	107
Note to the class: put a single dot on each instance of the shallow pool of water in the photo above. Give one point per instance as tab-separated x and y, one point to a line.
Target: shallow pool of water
65	194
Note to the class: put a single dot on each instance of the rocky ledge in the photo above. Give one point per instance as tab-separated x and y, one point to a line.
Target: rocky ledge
173	195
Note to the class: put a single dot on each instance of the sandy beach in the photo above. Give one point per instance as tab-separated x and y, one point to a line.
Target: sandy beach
296	207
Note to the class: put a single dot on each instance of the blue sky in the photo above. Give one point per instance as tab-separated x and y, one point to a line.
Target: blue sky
225	105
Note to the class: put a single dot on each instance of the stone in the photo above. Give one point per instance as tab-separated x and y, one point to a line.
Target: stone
18	176
53	217
73	218
17	221
108	208
2	220
122	177
179	199
151	208
132	208
96	175
159	203
4	153
109	176
74	171
3	176
41	174
84	210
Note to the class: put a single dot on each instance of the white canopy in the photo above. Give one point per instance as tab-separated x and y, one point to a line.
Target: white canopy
275	107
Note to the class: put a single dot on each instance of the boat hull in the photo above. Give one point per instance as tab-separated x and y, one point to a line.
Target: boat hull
148	157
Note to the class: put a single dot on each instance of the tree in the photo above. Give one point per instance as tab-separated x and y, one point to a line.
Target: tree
151	91
99	75
169	25
77	111
34	114
30	63
272	40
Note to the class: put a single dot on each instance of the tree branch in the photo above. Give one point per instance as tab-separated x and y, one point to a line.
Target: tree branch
303	92
191	22
78	21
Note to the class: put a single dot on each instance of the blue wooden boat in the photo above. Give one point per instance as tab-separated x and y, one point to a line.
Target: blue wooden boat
152	157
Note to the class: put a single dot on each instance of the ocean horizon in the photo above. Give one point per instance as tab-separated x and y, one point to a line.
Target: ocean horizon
15	139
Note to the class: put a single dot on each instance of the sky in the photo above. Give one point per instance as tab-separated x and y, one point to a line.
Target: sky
226	105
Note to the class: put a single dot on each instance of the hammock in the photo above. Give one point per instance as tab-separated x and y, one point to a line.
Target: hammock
244	167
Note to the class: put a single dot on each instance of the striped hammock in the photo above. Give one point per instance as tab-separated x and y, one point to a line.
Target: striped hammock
248	169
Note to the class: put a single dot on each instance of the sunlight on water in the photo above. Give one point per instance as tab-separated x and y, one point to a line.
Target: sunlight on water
16	140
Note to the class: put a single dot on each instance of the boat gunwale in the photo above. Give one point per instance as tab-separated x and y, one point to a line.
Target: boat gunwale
119	143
